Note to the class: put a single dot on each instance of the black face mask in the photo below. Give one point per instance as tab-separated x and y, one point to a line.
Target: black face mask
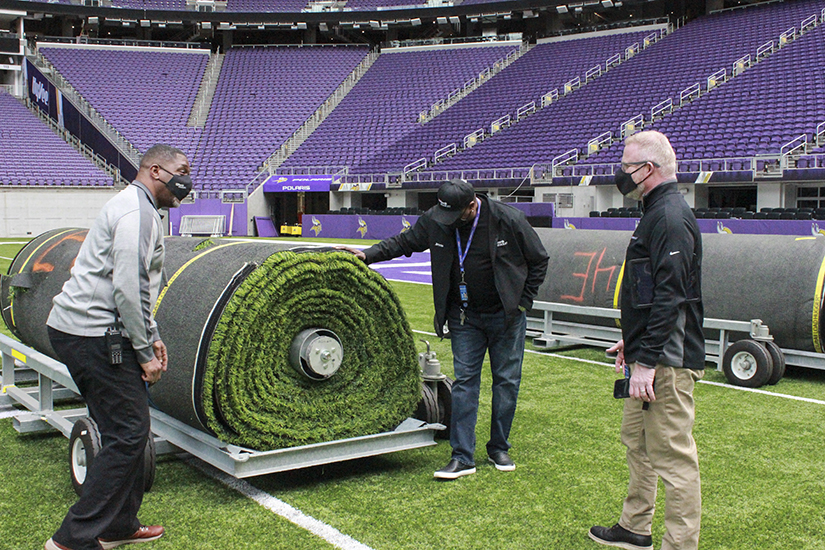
460	224
624	182
180	186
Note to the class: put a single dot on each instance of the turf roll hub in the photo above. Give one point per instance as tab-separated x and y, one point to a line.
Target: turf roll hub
269	347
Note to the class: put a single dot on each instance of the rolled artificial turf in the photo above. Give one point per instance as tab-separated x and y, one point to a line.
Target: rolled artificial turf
228	314
253	397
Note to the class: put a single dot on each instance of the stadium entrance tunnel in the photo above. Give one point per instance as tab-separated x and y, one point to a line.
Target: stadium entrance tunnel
269	347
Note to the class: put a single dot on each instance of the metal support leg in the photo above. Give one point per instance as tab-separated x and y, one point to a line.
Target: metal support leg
45	394
7	379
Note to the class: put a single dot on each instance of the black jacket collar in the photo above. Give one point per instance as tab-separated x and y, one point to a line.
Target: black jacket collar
659	191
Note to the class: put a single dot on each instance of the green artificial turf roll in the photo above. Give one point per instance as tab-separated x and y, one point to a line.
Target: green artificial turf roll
230	314
253	396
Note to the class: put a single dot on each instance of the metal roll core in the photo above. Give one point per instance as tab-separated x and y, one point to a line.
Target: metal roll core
316	353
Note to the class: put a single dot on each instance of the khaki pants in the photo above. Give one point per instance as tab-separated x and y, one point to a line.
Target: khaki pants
660	443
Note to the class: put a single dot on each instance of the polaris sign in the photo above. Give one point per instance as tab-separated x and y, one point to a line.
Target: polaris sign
292	184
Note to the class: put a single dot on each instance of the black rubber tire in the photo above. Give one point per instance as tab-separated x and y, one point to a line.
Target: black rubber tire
778	359
747	363
87	437
149	464
84	444
428	406
445	407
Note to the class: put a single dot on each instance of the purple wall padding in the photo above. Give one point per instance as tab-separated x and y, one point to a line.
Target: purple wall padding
354	227
534	208
265	227
748	227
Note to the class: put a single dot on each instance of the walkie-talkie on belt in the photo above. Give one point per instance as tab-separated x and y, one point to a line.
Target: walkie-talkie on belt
114	342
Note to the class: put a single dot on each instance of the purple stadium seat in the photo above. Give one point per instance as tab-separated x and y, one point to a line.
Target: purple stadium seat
32	154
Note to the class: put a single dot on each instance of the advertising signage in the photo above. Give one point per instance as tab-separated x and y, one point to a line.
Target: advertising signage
41	92
291	184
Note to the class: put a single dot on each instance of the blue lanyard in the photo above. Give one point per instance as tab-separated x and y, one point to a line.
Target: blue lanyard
462	255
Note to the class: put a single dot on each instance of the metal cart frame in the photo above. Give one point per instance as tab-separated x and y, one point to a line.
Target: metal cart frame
550	333
53	382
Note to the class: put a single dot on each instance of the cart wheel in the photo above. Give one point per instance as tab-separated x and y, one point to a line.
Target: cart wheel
428	406
149	464
747	363
778	359
445	407
84	444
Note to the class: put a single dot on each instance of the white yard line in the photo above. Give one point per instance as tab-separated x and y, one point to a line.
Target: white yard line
396	265
721	385
763	392
410	282
281	508
8	412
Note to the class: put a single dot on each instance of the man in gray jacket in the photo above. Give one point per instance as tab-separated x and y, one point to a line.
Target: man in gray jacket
101	326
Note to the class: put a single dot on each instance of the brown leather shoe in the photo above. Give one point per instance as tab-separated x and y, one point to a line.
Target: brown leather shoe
146	533
52	545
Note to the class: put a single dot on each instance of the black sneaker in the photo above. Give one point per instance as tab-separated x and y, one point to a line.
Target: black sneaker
455	469
620	537
502	461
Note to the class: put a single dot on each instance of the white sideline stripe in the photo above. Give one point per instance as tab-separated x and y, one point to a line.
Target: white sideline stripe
390	265
763	392
412	283
4	258
281	508
301	243
720	384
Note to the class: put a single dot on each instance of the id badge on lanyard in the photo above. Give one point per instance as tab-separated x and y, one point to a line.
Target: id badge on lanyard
464	295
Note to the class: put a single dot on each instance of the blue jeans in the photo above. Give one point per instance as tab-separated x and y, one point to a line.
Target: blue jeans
483	332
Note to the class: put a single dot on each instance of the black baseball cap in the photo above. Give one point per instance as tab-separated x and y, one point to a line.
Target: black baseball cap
453	197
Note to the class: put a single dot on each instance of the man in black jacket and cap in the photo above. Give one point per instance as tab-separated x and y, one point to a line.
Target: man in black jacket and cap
487	266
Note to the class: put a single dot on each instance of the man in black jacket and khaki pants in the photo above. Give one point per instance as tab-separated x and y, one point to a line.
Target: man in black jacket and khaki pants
487	265
661	303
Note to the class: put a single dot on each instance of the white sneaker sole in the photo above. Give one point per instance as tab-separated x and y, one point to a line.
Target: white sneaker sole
618	544
501	468
115	543
453	475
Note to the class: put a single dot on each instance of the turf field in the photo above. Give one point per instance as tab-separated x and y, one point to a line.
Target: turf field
761	457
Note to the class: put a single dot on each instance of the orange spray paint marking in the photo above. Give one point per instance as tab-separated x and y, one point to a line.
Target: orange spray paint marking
41	265
586	276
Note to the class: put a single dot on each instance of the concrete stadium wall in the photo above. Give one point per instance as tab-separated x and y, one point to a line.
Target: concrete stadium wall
28	212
